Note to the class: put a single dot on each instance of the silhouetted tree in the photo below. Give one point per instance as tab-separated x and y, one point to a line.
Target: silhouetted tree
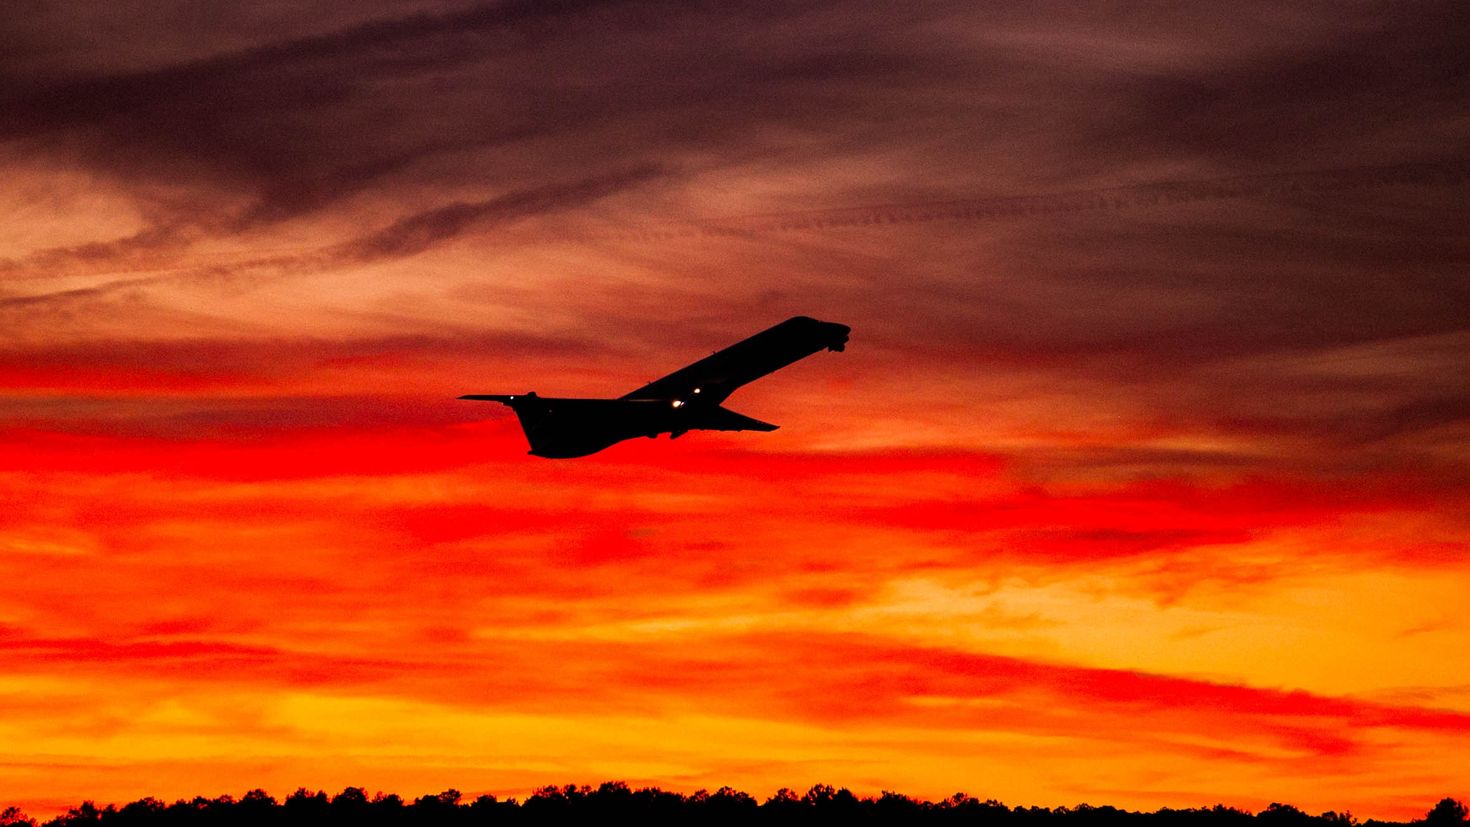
616	802
438	802
487	808
254	808
351	799
1447	813
1283	815
140	813
728	806
784	796
894	807
81	815
390	801
305	805
819	794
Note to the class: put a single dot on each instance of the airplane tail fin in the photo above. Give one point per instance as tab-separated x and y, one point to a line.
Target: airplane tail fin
529	408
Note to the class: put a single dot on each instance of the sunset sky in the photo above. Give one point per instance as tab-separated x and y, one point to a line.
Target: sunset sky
1143	480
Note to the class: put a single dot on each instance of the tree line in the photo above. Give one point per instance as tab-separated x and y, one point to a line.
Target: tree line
615	801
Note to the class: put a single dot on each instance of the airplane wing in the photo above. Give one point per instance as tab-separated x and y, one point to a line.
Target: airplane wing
715	377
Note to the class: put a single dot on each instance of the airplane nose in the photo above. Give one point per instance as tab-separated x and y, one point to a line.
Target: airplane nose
838	333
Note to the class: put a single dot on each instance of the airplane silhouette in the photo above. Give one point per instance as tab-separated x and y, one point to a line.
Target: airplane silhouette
686	400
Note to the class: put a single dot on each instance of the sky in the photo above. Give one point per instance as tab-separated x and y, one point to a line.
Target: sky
1143	480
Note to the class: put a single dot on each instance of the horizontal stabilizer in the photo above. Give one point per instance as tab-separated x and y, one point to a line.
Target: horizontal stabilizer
724	419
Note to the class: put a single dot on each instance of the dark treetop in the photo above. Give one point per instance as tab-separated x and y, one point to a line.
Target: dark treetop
615	802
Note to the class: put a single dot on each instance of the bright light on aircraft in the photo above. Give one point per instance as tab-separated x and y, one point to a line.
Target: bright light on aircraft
678	403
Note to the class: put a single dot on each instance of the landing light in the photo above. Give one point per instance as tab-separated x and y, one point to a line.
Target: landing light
678	403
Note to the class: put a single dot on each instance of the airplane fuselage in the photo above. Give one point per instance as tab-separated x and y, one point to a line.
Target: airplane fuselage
688	399
562	428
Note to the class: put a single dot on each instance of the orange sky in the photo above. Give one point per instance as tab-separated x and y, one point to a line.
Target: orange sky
1121	494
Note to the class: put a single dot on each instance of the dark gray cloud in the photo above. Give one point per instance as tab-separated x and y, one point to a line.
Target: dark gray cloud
284	128
202	108
1362	90
939	77
1043	96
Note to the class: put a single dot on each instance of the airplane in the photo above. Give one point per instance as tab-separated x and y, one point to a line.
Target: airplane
686	400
